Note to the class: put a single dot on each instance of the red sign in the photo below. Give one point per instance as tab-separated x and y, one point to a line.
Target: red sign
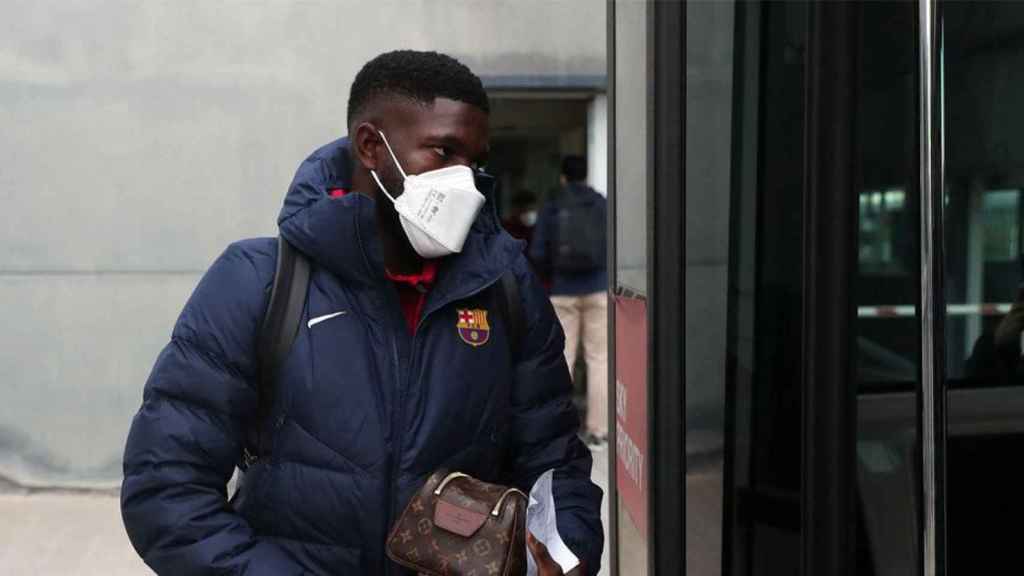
631	407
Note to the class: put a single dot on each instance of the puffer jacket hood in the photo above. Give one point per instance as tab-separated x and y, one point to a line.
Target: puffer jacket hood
340	233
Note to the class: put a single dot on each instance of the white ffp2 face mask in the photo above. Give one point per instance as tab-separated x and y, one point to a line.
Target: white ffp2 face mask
437	207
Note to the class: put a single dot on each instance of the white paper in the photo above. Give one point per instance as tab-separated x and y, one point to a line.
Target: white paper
540	521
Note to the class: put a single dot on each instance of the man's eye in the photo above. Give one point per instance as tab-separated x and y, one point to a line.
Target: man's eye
441	151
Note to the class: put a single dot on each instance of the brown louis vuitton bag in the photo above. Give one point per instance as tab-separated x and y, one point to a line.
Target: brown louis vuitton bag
459	526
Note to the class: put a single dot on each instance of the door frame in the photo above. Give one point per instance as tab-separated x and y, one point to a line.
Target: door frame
666	282
831	186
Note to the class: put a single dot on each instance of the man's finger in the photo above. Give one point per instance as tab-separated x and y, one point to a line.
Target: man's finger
539	550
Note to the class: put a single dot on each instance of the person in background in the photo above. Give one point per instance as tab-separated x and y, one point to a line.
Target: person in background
520	224
1008	337
569	247
523	217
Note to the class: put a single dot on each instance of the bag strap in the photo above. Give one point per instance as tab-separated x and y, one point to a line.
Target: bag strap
511	308
280	327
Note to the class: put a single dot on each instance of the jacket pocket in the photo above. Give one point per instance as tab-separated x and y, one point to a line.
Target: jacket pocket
251	497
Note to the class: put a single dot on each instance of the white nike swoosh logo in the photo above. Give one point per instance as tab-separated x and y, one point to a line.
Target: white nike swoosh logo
314	321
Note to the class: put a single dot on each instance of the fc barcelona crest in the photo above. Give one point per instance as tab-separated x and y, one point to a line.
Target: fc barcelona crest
473	327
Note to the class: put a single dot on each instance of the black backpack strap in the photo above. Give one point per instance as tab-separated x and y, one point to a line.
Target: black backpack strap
511	308
278	331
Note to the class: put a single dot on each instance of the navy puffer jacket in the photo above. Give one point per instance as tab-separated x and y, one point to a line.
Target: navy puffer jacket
363	412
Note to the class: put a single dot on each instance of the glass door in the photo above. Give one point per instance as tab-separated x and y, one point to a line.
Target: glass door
772	405
801	283
983	81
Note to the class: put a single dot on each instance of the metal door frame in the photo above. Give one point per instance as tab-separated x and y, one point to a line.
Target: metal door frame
932	421
666	282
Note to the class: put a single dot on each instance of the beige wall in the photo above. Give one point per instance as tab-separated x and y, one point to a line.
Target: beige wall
139	138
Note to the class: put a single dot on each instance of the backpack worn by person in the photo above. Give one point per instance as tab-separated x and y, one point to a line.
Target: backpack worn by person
284	314
580	238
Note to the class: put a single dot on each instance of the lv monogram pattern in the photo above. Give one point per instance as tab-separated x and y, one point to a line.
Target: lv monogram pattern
496	548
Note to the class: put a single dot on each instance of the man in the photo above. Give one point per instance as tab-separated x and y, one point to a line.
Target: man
381	386
569	246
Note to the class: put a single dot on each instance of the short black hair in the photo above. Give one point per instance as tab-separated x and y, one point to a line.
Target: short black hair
419	76
574	168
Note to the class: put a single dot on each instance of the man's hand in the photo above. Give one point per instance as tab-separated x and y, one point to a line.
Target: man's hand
546	566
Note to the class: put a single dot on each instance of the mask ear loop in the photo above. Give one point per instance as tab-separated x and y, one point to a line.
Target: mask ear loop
397	164
392	152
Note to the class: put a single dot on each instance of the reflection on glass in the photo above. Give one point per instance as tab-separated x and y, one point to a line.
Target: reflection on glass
631	146
983	276
763	447
886	282
710	48
881	214
983	82
886	353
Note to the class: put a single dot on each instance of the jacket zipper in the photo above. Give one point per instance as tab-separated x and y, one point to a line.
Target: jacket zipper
398	426
396	449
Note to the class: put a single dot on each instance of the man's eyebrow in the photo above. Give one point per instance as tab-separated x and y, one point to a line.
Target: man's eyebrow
445	139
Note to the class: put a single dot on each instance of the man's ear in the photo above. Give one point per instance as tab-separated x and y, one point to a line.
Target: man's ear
365	143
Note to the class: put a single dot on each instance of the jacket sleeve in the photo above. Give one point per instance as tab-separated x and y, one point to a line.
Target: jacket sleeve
185	440
545	424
